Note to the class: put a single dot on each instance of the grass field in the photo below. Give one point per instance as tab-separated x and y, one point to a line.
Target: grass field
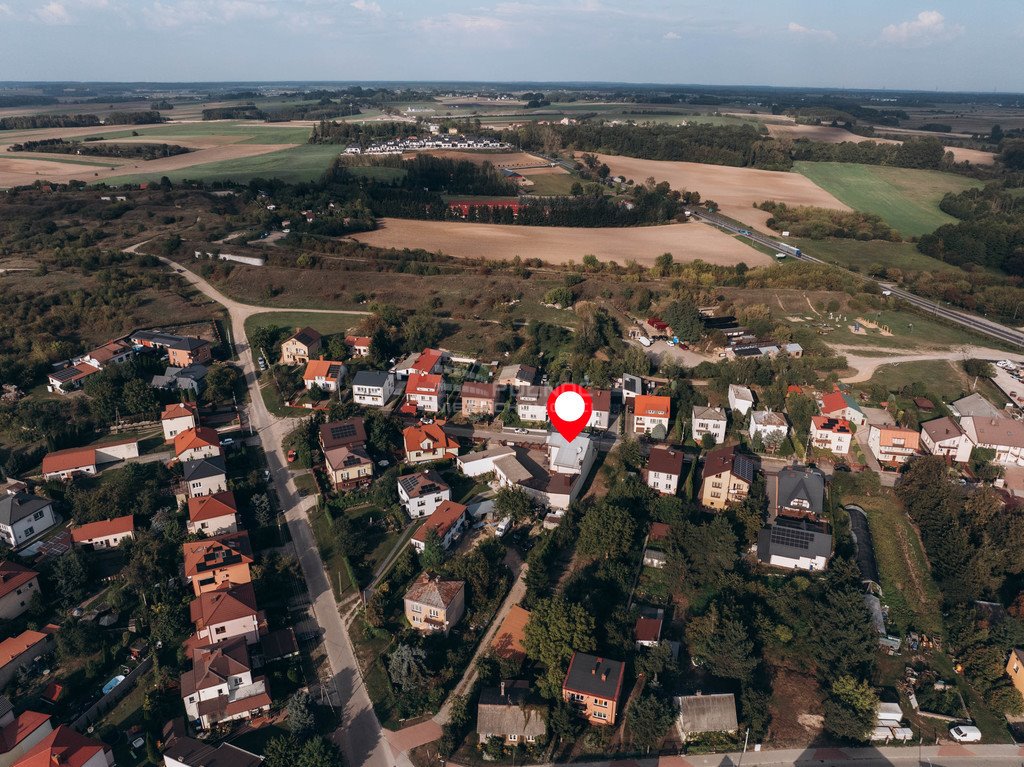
327	324
248	133
906	199
909	331
301	163
550	184
861	256
943	378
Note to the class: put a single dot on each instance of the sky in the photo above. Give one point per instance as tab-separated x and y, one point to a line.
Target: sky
932	45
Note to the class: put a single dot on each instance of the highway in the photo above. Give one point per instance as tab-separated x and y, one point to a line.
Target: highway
970	321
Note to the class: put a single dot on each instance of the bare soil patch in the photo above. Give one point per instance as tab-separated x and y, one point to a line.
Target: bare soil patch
736	190
831	135
560	245
497	159
796	710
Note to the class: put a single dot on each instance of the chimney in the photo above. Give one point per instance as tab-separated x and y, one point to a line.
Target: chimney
604	675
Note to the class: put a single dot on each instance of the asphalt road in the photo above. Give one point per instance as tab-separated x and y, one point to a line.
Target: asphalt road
971	321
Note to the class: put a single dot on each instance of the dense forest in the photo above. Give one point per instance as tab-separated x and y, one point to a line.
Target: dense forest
990	232
358	134
819	223
27	122
912	153
322	110
94	149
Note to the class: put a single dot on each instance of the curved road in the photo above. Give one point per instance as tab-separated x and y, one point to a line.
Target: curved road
362	740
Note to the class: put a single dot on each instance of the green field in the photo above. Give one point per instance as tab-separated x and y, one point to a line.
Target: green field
944	378
909	331
906	199
861	256
250	133
327	324
295	164
551	184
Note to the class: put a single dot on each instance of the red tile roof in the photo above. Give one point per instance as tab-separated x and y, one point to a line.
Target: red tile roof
652	406
63	747
221	551
648	629
441	521
23	725
196	437
423	383
427	360
179	410
13	576
103	529
361	341
12	647
415	436
322	369
211	506
659	531
66	460
223	605
828	423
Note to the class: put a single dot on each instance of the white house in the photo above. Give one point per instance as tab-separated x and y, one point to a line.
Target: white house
18	585
893	444
741	399
425	391
105	534
205	476
771	426
482	462
652	414
66	747
373	388
23	516
532	403
708	420
422	493
221	687
212	514
327	374
664	469
1003	435
795	544
448	521
943	436
832	434
226	613
601	414
197	443
177	418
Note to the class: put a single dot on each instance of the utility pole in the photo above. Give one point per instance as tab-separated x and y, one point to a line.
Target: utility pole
746	738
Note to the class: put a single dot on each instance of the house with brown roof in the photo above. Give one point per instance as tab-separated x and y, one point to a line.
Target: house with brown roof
359	345
18	585
447	522
425	442
516	375
22	650
225	613
177	418
510	638
532	403
214	561
212	514
300	347
70	378
480	399
197	442
943	436
348	467
651	412
111	353
664	468
601	413
421	493
327	374
726	477
1003	435
593	686
65	747
106	534
424	391
221	686
434	604
893	444
348	433
506	712
832	434
19	734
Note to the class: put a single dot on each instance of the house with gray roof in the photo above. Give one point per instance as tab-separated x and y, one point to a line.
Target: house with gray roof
24	516
191	378
507	712
795	544
796	491
373	388
593	686
205	476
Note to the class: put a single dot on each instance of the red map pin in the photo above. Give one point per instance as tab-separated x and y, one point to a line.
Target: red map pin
569	408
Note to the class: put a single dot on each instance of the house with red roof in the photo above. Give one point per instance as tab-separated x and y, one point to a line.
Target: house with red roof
426	442
107	534
197	442
214	561
650	412
358	345
67	464
65	747
424	391
832	434
839	404
647	632
227	612
327	374
212	514
448	521
70	378
18	585
221	686
178	417
22	650
18	734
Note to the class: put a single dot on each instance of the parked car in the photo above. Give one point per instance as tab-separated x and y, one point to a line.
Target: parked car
522	431
965	733
292	455
227	442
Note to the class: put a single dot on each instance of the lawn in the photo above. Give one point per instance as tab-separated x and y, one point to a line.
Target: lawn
942	378
327	324
907	199
331	555
861	256
909	331
907	586
550	184
295	164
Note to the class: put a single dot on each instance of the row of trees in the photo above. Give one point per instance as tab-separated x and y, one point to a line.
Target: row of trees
96	149
819	223
27	122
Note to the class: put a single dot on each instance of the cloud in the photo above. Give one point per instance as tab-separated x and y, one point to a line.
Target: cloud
464	23
672	36
171	14
53	13
929	27
5	10
800	29
367	6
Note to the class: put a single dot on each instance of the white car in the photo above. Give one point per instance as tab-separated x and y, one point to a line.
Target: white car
965	733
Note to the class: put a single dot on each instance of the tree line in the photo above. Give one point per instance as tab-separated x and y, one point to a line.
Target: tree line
95	149
819	223
27	122
321	110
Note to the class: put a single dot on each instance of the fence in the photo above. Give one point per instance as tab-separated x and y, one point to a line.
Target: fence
112	698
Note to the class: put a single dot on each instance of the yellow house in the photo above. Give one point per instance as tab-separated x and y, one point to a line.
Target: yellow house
1015	668
726	477
433	604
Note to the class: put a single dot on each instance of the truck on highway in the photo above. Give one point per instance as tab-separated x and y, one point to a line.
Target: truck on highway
787	249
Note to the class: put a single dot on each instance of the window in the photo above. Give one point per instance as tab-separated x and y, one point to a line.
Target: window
39	515
899	442
576	697
601	702
220	630
716	495
717	484
29	531
416	607
513	736
434	613
600	715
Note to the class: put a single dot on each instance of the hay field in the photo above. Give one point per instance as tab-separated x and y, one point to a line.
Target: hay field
905	198
510	160
560	245
736	190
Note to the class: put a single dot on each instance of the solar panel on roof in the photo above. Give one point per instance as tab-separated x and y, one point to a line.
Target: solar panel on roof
797	539
343	430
